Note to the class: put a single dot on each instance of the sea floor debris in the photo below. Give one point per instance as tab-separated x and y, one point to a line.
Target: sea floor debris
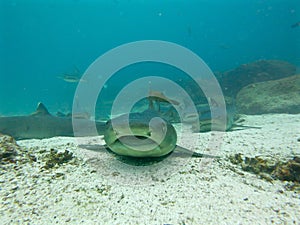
271	168
14	156
11	154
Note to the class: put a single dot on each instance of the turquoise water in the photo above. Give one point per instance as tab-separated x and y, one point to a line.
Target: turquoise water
40	40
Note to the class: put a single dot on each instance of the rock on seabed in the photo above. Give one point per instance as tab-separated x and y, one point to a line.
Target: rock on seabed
277	96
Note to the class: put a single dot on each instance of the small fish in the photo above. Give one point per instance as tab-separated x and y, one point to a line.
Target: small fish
157	97
75	77
295	25
190	117
70	78
160	97
224	46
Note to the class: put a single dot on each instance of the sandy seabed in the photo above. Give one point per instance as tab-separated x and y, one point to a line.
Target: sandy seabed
96	188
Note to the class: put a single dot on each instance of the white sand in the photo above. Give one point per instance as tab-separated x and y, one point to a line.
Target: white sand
98	189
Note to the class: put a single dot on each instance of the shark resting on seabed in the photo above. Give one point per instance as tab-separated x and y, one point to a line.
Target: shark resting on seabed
41	124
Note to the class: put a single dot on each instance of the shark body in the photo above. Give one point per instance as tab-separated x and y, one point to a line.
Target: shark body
41	124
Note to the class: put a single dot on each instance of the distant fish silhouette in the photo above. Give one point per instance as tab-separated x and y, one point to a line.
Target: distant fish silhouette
224	46
156	97
160	97
69	78
72	78
296	25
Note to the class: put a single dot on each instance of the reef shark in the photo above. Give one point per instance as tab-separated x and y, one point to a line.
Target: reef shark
41	124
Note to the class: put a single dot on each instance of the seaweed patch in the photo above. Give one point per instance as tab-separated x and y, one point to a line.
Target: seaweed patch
271	168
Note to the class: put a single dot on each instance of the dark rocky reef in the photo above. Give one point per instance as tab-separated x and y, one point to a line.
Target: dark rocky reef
13	156
11	153
8	149
262	70
277	96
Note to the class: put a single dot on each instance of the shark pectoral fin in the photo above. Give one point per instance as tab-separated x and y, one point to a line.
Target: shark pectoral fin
95	148
201	155
182	152
242	127
190	153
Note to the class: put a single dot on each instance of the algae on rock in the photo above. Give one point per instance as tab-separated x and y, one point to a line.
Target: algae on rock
54	158
270	168
262	70
277	96
12	153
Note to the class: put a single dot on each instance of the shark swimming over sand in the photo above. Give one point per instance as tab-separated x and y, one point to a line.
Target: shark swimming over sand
41	124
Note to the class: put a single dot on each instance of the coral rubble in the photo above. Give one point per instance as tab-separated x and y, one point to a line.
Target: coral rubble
270	168
13	156
57	158
11	153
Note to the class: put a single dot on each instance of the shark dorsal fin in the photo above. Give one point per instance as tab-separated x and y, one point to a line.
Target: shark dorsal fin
41	110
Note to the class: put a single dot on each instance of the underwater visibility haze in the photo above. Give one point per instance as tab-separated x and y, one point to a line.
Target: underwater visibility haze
149	111
42	42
